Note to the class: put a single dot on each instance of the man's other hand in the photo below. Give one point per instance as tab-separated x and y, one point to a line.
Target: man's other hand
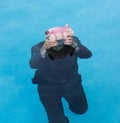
49	43
69	39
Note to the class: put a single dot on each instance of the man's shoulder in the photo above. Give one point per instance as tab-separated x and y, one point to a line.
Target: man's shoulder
37	46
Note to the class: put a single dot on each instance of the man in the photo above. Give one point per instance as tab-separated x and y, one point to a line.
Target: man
57	76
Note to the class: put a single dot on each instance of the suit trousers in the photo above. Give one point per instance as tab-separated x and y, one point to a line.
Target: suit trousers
72	91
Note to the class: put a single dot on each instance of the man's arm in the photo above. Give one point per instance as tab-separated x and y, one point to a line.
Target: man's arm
80	50
38	56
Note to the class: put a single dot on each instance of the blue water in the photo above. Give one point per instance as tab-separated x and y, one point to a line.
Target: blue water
96	23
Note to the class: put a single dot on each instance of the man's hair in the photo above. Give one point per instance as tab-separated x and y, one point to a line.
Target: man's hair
61	53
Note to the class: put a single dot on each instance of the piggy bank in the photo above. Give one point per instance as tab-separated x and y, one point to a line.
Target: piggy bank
58	33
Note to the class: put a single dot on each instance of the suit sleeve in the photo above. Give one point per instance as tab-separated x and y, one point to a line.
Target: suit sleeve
36	60
81	51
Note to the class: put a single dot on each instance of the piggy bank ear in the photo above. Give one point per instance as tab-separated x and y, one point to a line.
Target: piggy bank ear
68	28
47	32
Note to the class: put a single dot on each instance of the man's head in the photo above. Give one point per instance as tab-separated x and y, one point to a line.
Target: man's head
58	43
62	51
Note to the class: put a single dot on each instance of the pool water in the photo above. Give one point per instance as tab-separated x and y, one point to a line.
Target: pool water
23	23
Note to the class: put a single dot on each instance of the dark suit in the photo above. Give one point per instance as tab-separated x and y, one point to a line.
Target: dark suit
59	78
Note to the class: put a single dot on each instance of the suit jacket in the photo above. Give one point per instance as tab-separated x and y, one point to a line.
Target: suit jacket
50	71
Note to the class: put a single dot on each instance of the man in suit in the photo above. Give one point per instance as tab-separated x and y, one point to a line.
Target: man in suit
57	76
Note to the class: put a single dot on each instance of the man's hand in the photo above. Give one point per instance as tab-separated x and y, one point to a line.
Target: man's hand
49	43
69	40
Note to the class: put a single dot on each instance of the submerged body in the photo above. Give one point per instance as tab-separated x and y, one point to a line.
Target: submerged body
60	78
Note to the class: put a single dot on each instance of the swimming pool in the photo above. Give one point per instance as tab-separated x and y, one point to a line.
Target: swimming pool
97	25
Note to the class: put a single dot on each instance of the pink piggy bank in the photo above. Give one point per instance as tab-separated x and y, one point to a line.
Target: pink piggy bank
58	33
